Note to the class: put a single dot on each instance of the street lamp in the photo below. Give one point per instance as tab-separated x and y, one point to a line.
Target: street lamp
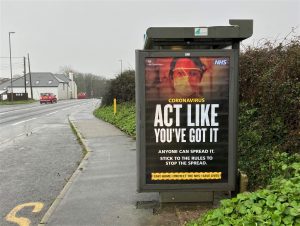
11	85
121	66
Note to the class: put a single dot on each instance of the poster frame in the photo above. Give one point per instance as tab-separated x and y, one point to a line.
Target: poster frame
141	55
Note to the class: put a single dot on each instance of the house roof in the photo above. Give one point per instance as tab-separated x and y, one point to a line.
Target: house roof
3	80
38	79
62	77
4	85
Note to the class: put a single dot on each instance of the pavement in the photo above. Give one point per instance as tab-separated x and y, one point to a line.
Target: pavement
102	191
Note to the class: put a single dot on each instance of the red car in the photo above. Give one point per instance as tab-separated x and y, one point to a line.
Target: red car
81	95
48	98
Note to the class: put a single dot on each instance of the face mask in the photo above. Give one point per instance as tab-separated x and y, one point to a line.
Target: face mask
182	86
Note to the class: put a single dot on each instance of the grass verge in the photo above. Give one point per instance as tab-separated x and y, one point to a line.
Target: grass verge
78	137
124	119
6	102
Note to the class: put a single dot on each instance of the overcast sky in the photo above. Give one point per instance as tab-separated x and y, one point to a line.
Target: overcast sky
92	36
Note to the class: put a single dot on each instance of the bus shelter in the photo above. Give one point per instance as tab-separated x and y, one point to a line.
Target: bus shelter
187	110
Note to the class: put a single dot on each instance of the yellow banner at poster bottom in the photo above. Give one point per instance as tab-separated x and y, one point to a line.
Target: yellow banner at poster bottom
187	176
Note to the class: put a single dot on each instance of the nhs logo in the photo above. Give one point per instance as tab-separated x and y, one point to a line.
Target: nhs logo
221	62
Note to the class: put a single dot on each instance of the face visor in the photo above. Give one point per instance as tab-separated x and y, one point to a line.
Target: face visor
187	75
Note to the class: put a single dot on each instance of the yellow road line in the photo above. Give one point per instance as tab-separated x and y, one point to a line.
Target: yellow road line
22	221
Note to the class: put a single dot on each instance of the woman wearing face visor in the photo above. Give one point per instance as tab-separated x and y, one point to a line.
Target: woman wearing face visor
186	75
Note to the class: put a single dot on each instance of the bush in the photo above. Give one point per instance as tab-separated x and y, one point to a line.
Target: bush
270	85
122	88
279	204
259	151
269	110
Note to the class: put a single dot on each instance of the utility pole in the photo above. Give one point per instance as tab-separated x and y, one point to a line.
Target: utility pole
92	93
30	76
24	59
121	66
11	82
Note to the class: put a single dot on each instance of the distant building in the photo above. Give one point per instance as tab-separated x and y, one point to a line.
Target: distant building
2	80
63	86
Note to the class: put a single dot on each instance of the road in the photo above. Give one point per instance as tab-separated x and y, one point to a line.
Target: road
38	153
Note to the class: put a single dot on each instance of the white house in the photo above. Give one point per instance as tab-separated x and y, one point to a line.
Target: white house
64	87
71	88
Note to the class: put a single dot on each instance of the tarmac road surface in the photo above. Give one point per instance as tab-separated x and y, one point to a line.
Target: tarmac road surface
38	153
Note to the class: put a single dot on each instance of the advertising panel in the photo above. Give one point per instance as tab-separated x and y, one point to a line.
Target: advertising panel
186	120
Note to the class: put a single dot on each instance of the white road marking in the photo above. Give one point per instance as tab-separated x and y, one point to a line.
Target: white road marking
4	141
22	109
52	113
8	140
66	108
17	123
22	134
71	107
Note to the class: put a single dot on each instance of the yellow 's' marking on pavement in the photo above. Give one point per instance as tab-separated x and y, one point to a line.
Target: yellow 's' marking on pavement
22	221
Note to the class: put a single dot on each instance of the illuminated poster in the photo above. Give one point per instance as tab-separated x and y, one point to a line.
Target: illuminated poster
186	123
